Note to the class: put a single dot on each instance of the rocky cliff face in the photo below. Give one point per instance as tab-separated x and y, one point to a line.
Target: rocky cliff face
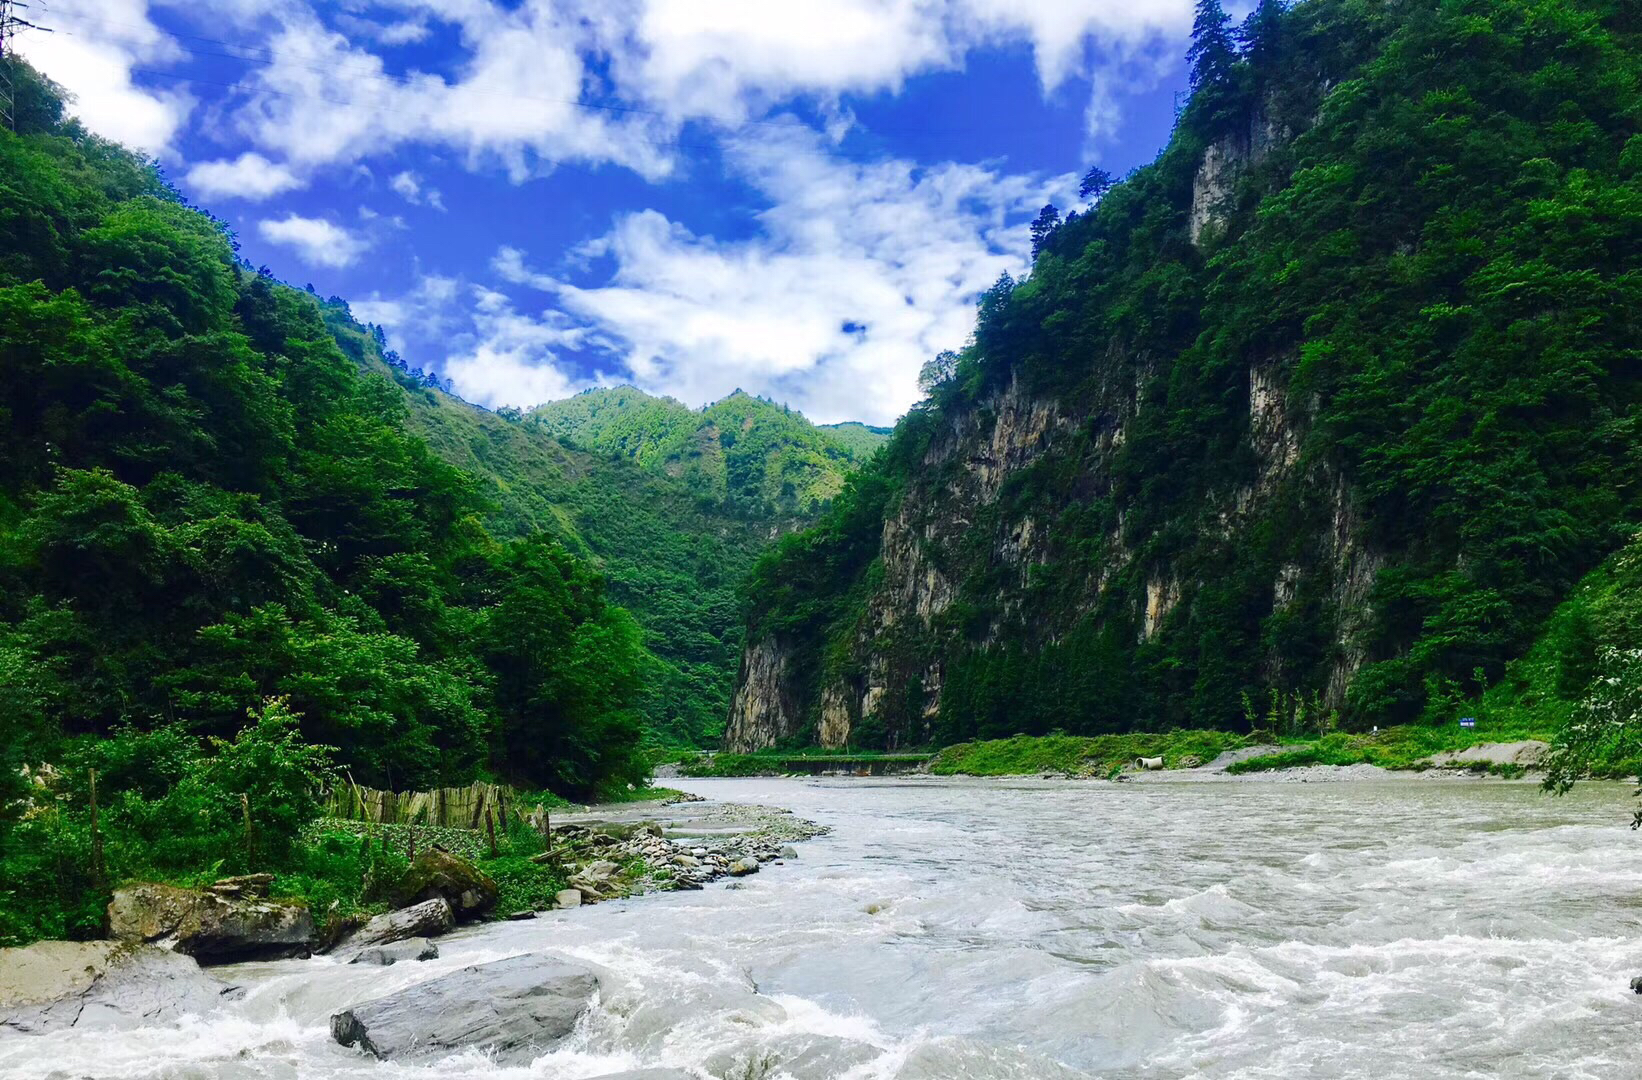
1266	432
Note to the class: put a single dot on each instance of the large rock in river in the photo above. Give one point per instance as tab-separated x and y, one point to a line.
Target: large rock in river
437	873
52	985
213	929
428	919
515	1009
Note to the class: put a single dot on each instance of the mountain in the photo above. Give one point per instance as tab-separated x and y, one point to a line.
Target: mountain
215	526
1330	407
639	487
741	451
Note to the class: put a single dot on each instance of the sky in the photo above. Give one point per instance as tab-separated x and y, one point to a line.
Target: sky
797	198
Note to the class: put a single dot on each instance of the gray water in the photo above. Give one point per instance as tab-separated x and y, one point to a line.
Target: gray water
1043	929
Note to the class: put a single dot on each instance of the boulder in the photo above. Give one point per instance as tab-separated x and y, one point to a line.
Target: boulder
1636	984
744	866
567	898
212	929
416	948
428	919
52	985
789	852
437	873
514	1009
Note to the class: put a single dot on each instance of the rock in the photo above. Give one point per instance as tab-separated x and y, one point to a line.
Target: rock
513	1009
416	948
789	852
743	867
686	860
521	916
1636	984
428	919
599	871
436	872
213	929
52	985
567	898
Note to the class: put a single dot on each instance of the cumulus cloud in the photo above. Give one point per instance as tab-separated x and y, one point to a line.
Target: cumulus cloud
316	240
409	186
860	273
249	176
92	53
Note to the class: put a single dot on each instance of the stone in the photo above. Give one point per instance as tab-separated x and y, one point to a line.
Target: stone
428	919
789	852
1636	984
743	867
212	929
513	1009
567	898
599	871
52	985
435	873
243	885
408	949
520	916
686	860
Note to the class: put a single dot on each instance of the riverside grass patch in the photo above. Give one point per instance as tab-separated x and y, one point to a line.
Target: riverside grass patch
1081	755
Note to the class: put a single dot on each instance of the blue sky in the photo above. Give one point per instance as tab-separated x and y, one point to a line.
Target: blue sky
800	199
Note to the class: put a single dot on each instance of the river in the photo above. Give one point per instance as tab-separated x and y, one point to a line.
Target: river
1043	929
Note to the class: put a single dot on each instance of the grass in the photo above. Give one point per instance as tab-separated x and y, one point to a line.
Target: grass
1079	755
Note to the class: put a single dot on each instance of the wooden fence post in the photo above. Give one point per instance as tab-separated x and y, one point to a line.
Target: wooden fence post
490	830
250	847
96	839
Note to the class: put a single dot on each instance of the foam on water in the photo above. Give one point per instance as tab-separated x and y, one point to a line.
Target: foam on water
1047	930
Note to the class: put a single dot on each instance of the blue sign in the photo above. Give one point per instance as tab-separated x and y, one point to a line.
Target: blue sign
1468	721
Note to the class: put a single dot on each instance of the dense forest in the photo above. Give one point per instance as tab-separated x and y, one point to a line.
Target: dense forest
1329	408
227	568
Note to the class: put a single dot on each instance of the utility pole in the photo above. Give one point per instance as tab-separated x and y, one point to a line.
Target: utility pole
10	23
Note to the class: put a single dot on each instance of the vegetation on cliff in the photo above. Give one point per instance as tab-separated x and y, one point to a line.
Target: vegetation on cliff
1338	403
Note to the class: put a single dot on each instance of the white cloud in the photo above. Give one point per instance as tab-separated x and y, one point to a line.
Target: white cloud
317	241
409	187
93	52
509	358
249	176
861	273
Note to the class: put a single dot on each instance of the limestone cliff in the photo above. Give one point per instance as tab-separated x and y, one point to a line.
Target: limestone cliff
1272	434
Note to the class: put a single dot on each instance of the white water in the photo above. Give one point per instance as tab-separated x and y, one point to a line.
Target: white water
1412	928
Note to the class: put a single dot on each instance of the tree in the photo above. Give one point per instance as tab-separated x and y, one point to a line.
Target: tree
937	372
1213	52
1096	183
1261	35
1043	227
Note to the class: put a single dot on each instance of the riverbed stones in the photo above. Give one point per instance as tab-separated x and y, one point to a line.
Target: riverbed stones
211	928
428	919
437	873
513	1009
52	985
394	952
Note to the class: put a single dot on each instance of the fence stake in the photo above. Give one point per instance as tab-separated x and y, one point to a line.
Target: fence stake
250	849
96	838
490	830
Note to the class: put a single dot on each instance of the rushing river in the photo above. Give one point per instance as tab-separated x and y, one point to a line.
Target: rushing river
1041	929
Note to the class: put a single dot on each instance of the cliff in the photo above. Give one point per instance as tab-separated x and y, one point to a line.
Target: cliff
1316	418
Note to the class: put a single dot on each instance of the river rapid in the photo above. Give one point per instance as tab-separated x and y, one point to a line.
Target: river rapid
1046	929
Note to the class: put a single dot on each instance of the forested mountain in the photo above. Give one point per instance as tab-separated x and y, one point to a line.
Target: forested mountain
672	537
205	504
743	452
1332	404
